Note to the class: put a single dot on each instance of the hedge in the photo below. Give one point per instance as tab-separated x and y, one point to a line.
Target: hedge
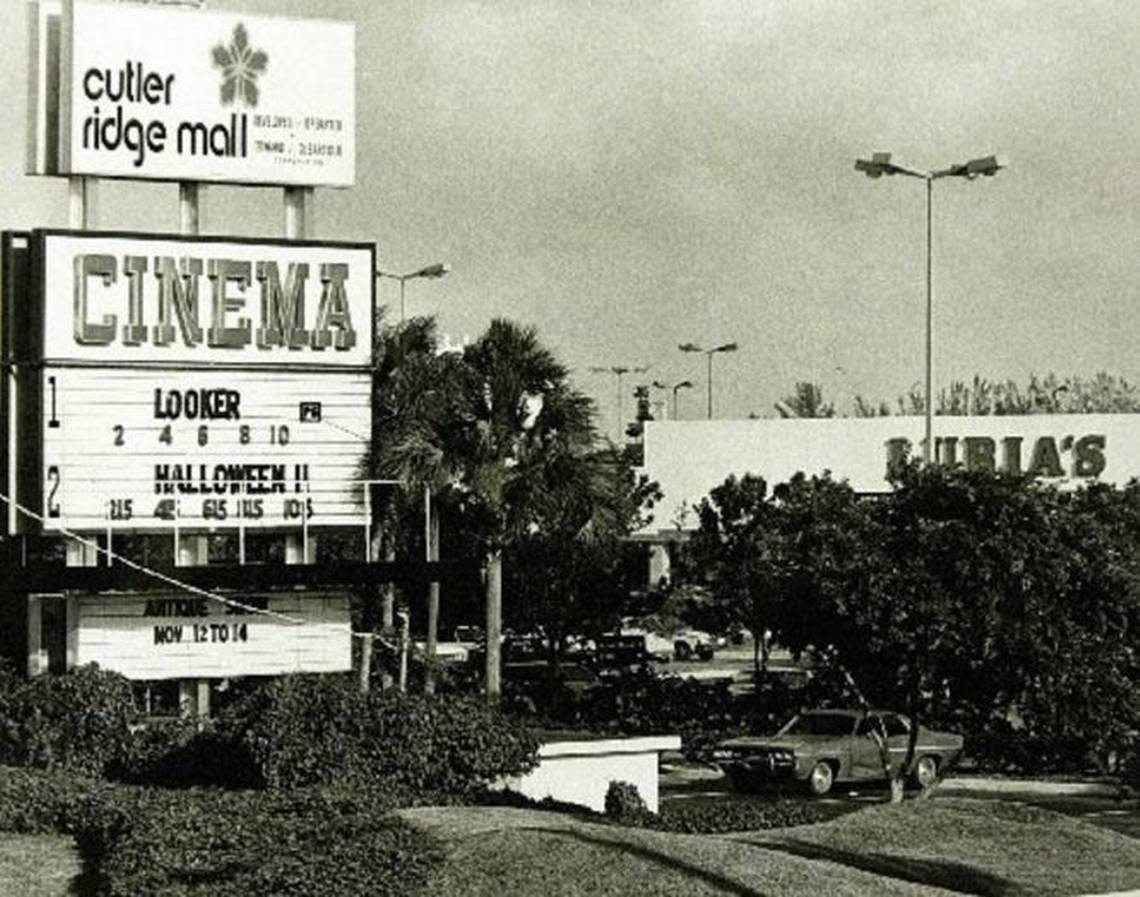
210	842
306	730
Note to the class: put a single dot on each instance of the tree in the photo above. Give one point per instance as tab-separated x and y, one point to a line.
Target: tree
807	401
731	553
418	409
1007	608
524	425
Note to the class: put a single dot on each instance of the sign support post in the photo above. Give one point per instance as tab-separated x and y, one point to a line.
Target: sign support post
193	694
299	547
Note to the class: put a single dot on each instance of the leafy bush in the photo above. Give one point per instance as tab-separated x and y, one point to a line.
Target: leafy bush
79	721
179	753
307	730
624	801
37	802
298	730
448	744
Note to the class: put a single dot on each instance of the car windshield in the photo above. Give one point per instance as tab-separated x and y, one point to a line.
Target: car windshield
820	724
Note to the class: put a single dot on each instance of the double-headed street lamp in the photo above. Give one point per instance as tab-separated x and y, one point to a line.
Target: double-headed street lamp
880	164
709	353
684	384
439	269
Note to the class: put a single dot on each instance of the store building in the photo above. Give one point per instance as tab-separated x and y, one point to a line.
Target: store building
689	458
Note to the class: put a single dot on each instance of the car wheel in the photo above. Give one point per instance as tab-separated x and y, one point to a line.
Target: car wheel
925	772
682	651
821	779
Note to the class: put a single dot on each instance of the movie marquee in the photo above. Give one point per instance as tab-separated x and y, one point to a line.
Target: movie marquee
202	382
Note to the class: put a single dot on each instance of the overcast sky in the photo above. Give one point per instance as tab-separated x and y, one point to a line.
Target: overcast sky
627	176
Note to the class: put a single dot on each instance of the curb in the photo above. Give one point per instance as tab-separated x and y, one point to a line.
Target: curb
1029	786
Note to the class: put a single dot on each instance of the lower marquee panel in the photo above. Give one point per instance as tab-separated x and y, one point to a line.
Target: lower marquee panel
180	636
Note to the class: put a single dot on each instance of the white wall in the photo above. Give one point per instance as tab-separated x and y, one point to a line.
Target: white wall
580	772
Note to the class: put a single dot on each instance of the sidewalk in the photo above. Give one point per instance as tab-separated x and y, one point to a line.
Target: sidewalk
1028	787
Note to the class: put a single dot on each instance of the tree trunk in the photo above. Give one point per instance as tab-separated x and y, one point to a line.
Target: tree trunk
494	627
388	610
433	607
368	624
912	741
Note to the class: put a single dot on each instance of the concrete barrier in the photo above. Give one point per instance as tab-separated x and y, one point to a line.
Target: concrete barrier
580	772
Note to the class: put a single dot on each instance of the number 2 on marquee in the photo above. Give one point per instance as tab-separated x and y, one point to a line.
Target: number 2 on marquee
53	509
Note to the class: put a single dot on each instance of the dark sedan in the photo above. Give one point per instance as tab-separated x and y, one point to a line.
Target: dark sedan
821	747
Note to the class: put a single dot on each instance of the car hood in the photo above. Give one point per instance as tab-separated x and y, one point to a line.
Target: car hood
781	742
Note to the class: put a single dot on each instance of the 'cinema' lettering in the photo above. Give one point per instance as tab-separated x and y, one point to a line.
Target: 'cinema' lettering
176	312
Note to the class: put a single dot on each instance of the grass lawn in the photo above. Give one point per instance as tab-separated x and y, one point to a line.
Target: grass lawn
37	865
504	851
938	847
979	847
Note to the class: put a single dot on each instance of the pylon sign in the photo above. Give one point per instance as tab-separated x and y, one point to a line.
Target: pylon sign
168	93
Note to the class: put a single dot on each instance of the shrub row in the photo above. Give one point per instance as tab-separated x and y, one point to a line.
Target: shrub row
304	730
289	732
209	842
625	806
697	816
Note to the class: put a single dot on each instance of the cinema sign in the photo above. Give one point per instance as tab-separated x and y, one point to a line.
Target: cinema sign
201	382
184	94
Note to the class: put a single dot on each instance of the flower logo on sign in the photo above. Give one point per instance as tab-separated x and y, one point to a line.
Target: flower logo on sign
240	65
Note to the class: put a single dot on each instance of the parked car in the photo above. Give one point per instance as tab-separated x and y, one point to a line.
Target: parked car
618	653
690	643
467	635
821	747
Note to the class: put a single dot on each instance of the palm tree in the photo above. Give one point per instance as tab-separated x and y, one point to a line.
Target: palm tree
417	413
525	423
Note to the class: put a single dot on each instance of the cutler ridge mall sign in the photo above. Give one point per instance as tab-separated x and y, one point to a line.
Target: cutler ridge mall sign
193	95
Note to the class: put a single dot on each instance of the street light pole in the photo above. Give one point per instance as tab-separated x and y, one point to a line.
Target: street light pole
619	370
928	401
683	384
875	167
439	269
709	353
